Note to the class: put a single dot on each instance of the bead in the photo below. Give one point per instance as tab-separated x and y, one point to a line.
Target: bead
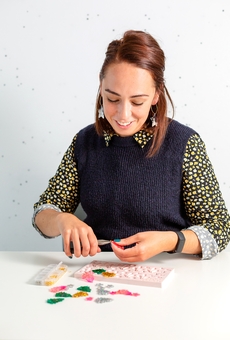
84	288
57	289
107	274
102	300
89	298
63	294
88	276
98	271
53	301
124	292
79	294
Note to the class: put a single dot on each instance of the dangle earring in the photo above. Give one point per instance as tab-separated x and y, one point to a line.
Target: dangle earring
101	111
153	118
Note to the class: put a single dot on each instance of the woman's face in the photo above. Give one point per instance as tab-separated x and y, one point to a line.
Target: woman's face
128	93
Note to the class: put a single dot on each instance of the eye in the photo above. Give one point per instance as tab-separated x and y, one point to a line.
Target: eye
137	104
112	101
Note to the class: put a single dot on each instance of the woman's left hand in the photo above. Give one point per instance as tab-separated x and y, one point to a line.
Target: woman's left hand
146	244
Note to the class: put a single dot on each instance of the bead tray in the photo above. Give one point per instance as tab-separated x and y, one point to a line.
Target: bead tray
51	274
127	273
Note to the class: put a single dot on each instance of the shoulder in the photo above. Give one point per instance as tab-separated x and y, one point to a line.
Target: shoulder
88	134
89	129
176	139
178	133
88	140
176	127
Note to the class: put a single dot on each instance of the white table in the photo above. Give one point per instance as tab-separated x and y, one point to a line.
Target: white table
195	304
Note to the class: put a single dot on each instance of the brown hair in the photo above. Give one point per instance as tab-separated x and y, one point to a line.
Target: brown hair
141	49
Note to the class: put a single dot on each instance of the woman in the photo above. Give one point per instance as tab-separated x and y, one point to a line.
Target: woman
142	178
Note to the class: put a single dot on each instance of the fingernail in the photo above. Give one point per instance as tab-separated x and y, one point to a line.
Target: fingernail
70	257
117	240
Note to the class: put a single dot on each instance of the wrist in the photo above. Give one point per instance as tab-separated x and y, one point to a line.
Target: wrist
172	240
178	247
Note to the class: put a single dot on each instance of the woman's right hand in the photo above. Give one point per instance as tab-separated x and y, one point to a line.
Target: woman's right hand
82	236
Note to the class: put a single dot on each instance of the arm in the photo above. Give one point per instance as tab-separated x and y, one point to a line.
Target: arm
54	223
53	214
203	200
204	206
62	191
151	243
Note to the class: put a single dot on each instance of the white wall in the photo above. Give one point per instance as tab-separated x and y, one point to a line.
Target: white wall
50	55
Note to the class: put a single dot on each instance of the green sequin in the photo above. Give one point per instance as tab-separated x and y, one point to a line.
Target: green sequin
99	271
63	294
84	288
53	301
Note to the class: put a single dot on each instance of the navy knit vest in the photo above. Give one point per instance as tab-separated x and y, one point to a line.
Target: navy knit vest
123	192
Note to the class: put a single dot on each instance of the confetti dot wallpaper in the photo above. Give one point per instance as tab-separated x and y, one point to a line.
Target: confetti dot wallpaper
50	56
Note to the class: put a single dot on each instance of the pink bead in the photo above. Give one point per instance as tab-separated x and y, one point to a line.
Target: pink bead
89	298
88	276
57	289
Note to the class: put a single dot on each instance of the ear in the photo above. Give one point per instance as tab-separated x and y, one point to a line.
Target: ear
155	98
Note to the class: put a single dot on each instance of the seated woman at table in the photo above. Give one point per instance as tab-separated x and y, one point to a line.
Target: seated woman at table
141	177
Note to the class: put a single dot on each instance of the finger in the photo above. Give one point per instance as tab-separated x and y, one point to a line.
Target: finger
129	254
84	245
94	249
74	243
89	243
127	241
67	246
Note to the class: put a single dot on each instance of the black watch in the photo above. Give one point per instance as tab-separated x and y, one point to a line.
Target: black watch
180	243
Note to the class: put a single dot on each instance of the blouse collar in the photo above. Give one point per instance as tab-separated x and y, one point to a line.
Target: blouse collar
141	137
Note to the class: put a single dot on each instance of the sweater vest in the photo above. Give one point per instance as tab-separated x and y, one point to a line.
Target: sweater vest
123	192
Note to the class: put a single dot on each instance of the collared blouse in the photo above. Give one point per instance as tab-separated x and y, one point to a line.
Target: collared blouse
202	197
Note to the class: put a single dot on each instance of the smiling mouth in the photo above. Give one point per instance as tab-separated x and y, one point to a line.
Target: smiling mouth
124	124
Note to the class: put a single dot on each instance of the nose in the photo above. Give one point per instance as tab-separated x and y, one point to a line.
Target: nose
124	111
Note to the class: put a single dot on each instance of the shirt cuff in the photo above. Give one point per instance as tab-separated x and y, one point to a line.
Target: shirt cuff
38	210
208	244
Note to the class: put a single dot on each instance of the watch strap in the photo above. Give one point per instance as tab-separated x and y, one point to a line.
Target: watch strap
180	243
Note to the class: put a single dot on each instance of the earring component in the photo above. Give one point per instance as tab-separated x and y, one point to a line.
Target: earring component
153	120
101	113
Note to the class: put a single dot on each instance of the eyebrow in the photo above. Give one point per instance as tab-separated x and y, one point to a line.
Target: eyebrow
134	96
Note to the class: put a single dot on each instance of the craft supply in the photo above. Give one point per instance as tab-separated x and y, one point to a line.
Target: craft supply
88	276
89	298
79	294
51	274
124	292
127	273
101	290
100	243
63	294
108	274
98	271
60	288
54	301
102	300
84	289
